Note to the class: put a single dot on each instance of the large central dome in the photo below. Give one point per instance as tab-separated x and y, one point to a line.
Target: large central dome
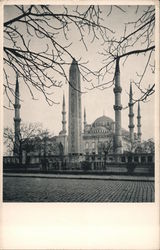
103	121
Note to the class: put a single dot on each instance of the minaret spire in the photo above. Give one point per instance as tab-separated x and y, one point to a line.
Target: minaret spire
117	107
131	116
85	121
63	116
17	119
139	123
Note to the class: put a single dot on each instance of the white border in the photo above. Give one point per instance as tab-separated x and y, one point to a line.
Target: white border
83	225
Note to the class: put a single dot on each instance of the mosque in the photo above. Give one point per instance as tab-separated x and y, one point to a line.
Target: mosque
104	135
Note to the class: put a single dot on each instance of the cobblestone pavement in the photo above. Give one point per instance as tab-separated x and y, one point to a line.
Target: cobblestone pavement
26	189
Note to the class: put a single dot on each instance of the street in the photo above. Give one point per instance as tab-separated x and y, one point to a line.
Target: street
29	189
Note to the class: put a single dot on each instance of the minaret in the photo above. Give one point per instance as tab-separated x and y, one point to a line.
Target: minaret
139	123
85	121
75	119
117	107
131	116
63	116
17	119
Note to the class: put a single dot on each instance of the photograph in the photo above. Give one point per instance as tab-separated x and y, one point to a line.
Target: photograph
79	103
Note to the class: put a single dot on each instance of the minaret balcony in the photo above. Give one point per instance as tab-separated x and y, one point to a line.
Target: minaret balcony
117	107
17	106
130	104
131	126
117	89
17	119
131	115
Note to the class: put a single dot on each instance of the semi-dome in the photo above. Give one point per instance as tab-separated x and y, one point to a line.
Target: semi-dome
103	121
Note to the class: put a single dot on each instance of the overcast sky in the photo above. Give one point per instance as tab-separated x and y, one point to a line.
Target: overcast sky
97	102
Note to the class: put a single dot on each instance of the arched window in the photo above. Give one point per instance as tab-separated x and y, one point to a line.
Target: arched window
87	145
93	145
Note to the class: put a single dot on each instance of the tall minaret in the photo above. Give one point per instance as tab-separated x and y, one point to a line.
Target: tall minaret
75	118
63	116
117	107
139	123
85	121
131	116
17	119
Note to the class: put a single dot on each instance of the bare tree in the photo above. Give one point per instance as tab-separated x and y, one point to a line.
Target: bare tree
147	146
41	66
107	146
138	39
30	135
9	140
47	27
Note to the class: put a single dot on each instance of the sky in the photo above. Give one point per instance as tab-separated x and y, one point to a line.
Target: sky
97	102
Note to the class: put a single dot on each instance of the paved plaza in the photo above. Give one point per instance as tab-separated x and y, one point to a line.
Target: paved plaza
38	189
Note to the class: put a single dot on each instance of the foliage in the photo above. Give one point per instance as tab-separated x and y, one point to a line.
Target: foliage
147	146
107	146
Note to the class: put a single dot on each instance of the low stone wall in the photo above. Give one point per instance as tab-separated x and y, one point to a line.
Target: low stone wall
125	164
84	168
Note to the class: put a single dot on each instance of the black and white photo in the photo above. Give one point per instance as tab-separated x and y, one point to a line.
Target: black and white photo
79	103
